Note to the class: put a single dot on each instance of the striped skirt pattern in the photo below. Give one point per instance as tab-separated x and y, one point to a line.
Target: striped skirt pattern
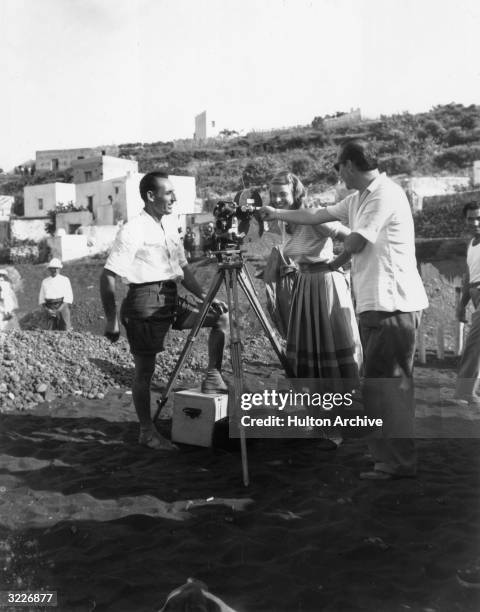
323	339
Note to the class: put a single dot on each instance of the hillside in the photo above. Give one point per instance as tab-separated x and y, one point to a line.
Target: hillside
444	140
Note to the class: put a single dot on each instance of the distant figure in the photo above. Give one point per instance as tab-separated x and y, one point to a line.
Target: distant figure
469	369
189	243
55	297
8	303
208	239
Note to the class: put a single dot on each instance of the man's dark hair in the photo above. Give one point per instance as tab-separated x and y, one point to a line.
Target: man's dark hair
470	206
361	153
149	182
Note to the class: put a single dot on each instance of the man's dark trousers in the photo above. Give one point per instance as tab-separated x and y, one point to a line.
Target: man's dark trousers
388	340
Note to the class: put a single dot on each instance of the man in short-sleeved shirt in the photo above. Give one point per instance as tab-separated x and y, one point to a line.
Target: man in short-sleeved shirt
389	298
148	253
384	272
56	297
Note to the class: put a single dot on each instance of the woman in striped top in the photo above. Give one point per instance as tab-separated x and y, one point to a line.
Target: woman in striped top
323	341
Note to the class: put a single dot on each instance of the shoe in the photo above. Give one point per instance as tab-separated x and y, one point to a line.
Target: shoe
325	444
469	577
378	475
152	439
213	383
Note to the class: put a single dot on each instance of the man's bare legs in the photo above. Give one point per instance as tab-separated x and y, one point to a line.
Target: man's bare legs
149	436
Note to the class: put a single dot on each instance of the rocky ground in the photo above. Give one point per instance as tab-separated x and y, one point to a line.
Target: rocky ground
37	365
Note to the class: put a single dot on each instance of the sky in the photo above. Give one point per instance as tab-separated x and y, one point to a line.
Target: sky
79	73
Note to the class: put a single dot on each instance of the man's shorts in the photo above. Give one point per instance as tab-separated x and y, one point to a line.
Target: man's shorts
151	309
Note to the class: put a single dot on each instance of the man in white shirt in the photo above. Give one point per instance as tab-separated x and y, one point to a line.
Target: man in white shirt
148	252
56	297
389	298
469	369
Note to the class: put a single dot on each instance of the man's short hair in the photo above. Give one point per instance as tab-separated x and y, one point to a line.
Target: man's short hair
361	153
470	206
149	182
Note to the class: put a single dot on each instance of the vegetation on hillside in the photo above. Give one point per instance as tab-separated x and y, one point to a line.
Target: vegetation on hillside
444	140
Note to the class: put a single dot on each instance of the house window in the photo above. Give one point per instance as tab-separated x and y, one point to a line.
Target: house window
40	203
213	123
116	190
73	227
80	157
88	175
90	203
55	164
104	152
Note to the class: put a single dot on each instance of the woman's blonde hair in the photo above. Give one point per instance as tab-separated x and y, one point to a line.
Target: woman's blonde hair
299	192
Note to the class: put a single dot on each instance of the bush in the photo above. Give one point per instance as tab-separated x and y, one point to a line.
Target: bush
302	165
396	164
459	156
260	171
434	129
442	221
24	253
456	136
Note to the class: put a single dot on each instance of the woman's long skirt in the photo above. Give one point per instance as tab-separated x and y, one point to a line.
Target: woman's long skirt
323	340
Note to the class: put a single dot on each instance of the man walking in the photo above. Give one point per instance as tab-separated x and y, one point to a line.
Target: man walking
389	298
56	298
148	252
469	369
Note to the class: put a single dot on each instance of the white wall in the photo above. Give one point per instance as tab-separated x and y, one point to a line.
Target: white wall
69	247
103	167
476	172
115	167
28	229
6	203
425	186
52	195
43	159
82	190
127	203
99	237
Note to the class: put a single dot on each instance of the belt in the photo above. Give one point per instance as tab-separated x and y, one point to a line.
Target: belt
166	283
319	266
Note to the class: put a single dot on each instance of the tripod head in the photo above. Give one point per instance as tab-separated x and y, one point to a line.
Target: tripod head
230	258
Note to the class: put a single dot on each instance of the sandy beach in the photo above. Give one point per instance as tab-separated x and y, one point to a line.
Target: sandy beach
111	526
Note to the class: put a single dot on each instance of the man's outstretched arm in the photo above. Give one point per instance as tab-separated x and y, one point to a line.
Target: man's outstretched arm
302	216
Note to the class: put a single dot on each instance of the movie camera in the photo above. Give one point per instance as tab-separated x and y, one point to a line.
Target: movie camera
232	218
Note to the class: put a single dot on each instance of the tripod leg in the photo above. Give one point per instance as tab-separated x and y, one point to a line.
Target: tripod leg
187	347
249	290
236	356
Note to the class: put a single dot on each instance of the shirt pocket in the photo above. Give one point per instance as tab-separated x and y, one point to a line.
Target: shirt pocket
152	252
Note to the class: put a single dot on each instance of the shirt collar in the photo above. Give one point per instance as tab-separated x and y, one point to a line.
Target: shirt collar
377	181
